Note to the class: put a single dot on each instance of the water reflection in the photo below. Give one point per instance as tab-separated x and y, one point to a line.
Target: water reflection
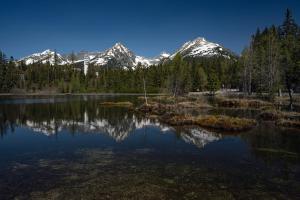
199	137
77	149
88	116
118	131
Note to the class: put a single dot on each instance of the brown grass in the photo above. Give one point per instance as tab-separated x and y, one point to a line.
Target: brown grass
219	122
156	108
282	119
178	120
117	104
288	123
194	104
175	103
243	103
159	99
167	99
273	115
225	122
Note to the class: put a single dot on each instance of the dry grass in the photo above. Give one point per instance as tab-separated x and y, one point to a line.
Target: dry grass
273	115
166	99
179	102
178	120
156	109
117	104
225	122
296	99
243	103
288	123
194	104
219	122
159	99
282	119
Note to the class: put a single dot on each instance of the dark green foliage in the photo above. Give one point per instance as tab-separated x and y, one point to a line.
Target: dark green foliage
177	76
290	48
213	82
272	60
9	74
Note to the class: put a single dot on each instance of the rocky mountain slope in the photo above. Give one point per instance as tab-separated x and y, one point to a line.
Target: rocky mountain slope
202	48
121	56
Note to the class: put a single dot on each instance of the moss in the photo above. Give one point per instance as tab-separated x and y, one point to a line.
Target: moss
119	104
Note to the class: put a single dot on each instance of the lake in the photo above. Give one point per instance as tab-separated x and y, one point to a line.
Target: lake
71	147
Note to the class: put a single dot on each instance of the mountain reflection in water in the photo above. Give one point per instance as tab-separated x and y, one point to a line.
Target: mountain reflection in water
85	116
74	148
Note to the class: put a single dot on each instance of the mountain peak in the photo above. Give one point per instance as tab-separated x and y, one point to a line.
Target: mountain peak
118	48
120	56
47	51
200	47
197	41
200	39
44	57
118	44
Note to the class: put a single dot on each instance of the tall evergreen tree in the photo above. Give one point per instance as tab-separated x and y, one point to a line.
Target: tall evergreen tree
289	32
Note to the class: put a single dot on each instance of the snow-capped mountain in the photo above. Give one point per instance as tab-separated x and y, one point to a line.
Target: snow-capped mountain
118	56
44	57
201	48
199	137
119	131
80	56
121	56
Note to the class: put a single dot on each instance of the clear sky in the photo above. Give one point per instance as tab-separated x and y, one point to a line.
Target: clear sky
145	27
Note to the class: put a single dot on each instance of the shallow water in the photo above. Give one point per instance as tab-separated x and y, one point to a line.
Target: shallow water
74	148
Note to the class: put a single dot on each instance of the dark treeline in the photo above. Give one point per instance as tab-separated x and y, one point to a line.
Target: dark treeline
269	65
177	76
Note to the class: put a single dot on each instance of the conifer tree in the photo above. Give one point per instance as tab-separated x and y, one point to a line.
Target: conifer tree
289	32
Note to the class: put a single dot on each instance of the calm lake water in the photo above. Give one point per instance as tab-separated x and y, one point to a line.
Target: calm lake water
73	148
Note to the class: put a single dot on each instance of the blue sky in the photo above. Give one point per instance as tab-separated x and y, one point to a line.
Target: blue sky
145	27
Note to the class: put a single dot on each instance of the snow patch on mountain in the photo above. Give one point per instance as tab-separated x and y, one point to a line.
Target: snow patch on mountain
200	47
44	57
120	56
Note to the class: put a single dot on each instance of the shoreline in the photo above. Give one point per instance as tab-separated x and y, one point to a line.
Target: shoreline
79	94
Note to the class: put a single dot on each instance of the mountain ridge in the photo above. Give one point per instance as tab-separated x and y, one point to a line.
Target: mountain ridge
121	56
